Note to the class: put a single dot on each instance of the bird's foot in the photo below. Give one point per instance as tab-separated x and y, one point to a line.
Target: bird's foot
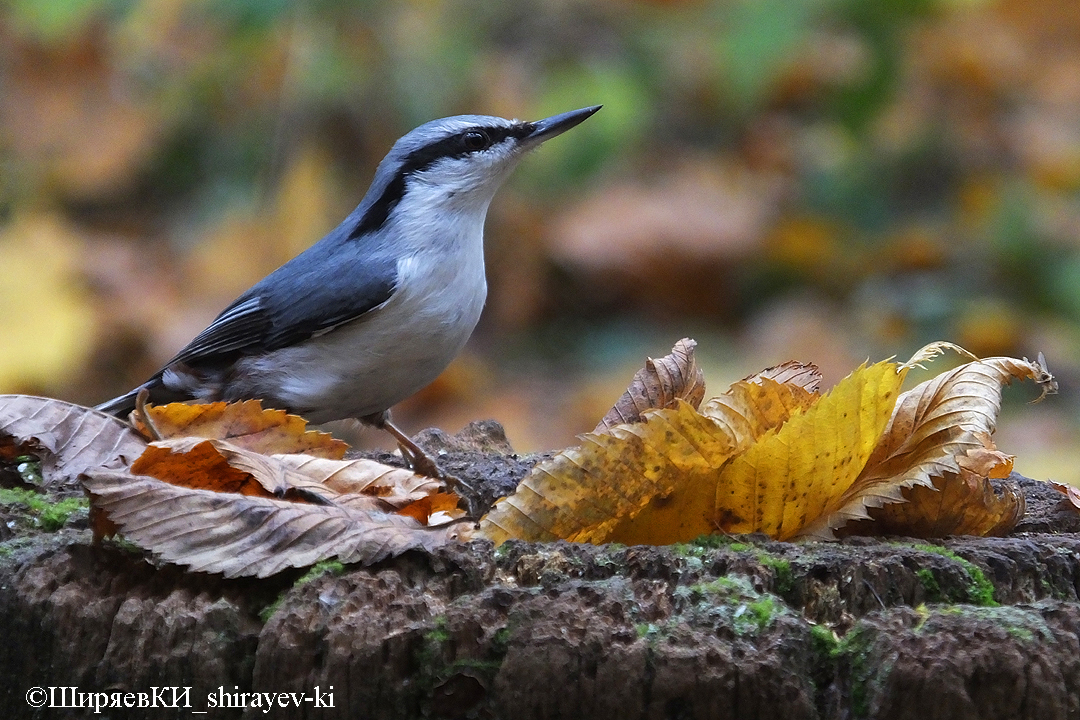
420	462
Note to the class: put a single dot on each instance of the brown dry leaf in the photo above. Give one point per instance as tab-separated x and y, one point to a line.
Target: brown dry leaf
393	486
245	424
963	503
1071	492
792	373
239	535
935	425
987	461
68	439
676	376
220	466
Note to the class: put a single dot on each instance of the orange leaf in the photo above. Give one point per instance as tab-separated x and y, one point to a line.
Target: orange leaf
421	510
245	424
202	466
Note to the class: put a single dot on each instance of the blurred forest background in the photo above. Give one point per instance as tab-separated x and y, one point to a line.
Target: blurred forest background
822	180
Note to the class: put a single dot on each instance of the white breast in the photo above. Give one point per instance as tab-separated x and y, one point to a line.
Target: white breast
372	363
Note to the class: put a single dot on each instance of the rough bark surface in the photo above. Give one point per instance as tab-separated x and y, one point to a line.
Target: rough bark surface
737	627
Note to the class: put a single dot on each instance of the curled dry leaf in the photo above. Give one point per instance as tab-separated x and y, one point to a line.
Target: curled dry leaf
239	535
245	424
650	482
773	457
963	503
792	373
659	384
220	466
68	439
934	426
1071	492
392	486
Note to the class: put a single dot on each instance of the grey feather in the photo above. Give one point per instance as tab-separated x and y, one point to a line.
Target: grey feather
298	300
381	305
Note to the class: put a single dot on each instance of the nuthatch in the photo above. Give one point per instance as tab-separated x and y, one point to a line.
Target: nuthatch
379	307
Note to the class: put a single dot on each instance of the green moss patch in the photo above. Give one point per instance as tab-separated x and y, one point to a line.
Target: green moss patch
39	510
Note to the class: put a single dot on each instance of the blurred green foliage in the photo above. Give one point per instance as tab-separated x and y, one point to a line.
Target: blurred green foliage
924	155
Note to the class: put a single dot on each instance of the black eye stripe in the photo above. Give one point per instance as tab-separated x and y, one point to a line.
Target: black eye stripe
422	158
455	146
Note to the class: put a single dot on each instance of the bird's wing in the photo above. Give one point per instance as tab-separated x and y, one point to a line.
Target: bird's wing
290	308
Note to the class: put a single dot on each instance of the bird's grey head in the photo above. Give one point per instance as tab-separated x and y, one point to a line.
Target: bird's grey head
456	162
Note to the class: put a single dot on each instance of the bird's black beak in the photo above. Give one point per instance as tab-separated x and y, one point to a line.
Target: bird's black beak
557	124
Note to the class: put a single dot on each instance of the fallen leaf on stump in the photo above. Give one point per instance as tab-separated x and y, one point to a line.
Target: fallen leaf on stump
961	503
650	482
777	458
68	439
659	384
245	424
1071	492
393	486
240	535
802	471
935	425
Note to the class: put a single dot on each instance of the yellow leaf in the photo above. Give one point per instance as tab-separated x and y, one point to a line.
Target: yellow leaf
774	458
245	423
582	493
800	472
651	482
753	406
746	412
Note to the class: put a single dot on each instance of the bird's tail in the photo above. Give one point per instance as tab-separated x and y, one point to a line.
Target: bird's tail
122	406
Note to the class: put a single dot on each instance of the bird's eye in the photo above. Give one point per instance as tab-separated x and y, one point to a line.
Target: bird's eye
475	140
